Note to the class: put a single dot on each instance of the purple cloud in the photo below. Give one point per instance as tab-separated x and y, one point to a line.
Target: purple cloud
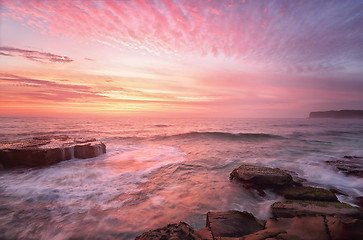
33	55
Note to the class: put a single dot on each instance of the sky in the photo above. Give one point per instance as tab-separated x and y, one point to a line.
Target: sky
180	58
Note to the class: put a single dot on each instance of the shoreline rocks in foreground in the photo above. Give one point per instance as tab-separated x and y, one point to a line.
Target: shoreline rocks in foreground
308	213
235	225
260	178
47	150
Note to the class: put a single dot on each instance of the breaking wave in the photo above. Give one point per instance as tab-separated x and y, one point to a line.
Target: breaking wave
225	136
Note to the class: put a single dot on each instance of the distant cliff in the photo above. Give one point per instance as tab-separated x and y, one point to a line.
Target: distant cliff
338	114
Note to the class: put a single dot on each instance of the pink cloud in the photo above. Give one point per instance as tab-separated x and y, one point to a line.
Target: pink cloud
251	31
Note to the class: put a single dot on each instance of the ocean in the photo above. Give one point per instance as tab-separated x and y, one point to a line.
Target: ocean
160	171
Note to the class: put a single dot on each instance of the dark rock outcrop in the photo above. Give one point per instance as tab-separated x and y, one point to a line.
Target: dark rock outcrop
258	177
232	224
308	193
337	114
349	165
177	231
314	228
292	208
47	150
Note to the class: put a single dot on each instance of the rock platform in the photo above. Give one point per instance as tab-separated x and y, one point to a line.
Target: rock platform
307	213
47	150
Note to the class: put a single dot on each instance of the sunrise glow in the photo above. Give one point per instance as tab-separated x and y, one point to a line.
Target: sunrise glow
180	58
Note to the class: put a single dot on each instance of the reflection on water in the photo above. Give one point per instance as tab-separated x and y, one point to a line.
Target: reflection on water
158	172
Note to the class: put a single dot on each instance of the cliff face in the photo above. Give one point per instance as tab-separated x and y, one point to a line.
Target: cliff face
338	114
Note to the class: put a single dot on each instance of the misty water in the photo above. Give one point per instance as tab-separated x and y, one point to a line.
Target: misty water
160	171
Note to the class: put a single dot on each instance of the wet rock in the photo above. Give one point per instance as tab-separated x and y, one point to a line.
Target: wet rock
350	165
298	180
178	231
47	150
304	228
308	193
232	224
270	233
359	201
344	228
314	228
337	191
259	177
292	208
204	233
89	150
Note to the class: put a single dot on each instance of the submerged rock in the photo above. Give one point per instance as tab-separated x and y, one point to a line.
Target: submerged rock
232	224
308	193
259	177
349	165
177	231
292	208
47	150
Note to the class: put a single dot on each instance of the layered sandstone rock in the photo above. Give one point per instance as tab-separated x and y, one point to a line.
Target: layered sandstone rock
235	225
308	193
177	231
292	208
232	224
258	177
47	150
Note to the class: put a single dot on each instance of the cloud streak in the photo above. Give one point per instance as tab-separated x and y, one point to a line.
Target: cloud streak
33	55
298	36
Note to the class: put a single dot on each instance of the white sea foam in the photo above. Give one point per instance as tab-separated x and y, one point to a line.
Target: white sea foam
146	180
82	184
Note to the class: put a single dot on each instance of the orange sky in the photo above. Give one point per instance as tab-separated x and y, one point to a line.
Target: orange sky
180	58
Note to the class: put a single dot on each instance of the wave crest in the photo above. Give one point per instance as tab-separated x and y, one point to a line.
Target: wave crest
226	135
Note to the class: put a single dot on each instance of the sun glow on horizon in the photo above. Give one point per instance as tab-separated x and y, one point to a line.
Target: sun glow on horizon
184	58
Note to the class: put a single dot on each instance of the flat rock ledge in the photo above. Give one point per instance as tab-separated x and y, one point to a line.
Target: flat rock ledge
259	177
292	208
47	150
235	225
232	224
308	193
307	213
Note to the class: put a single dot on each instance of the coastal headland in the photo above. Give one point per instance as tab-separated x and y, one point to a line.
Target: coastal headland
337	114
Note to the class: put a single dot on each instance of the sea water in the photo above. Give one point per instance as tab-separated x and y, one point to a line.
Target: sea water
160	171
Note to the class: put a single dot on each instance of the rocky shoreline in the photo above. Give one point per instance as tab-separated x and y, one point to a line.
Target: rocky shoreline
306	213
47	150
